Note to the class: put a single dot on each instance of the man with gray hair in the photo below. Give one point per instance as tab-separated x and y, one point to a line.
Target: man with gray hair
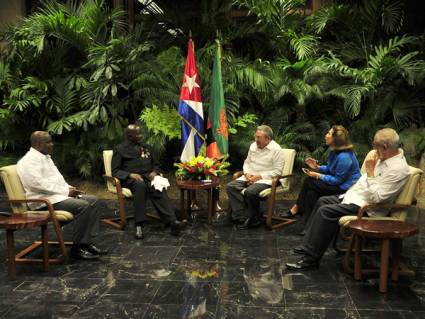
264	161
386	174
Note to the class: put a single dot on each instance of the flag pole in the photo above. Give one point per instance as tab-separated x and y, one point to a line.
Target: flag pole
192	127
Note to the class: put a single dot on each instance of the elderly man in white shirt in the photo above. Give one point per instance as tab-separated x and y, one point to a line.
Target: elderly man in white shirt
41	179
386	174
264	161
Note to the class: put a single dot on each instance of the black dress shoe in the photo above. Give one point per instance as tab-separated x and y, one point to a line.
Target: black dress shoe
139	232
249	223
301	233
288	214
95	250
299	250
78	252
303	264
237	221
176	227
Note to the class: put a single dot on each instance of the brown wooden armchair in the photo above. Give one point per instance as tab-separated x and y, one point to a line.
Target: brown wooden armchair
23	218
280	184
113	185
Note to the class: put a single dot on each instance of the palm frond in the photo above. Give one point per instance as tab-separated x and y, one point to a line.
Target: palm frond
320	19
392	15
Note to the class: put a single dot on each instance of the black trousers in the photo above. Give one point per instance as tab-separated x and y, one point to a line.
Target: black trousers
311	190
247	204
323	224
85	225
142	191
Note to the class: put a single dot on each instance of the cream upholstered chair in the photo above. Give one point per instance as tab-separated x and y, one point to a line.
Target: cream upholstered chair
23	218
280	184
113	185
398	209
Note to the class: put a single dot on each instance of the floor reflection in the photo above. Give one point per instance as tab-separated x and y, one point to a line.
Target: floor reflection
197	289
264	282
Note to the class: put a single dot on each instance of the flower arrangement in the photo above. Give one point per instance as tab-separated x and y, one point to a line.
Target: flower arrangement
202	168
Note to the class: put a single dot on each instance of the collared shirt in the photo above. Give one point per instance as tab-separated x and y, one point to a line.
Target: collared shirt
390	177
267	162
131	158
41	178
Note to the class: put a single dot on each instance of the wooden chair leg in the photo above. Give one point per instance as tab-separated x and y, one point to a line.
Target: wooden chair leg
210	206
358	242
346	263
383	271
45	241
269	216
183	206
396	252
11	266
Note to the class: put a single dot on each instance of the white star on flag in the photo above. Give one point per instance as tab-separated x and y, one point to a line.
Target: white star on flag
191	82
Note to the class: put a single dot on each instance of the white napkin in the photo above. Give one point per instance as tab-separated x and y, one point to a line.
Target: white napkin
159	183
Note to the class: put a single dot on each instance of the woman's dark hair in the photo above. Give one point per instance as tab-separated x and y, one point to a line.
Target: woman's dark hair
340	137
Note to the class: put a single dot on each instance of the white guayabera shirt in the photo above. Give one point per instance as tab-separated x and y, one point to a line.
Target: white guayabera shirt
267	162
390	177
41	178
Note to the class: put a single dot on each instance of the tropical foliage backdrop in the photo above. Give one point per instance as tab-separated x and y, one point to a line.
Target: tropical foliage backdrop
78	70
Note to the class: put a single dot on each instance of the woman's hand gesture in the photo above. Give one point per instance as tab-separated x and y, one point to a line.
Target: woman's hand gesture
312	163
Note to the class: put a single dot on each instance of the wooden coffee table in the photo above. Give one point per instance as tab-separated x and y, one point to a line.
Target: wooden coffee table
390	232
186	186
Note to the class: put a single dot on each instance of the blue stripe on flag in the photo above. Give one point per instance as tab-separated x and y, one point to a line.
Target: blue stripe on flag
195	120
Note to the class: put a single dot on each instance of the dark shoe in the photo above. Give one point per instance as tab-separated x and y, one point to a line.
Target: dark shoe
288	214
95	250
237	221
249	223
139	232
176	227
78	252
299	250
303	264
301	233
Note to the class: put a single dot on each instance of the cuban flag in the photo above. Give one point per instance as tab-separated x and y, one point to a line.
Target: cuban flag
190	108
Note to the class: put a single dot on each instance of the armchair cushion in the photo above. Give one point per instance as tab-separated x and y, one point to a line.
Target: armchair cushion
279	190
125	191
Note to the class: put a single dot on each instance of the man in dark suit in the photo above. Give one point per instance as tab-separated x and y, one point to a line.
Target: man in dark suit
134	165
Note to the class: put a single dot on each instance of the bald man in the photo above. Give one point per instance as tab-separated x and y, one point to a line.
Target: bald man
134	165
41	179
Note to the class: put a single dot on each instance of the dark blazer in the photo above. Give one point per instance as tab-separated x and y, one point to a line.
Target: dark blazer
132	158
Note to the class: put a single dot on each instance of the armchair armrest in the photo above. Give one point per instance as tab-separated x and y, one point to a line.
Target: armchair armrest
237	174
115	182
52	215
276	179
363	209
34	200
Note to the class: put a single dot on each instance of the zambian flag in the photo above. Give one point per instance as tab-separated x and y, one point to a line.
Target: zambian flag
217	134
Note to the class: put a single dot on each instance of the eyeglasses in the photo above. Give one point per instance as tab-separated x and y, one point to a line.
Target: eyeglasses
376	145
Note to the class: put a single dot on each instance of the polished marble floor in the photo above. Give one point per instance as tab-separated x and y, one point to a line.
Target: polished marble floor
208	272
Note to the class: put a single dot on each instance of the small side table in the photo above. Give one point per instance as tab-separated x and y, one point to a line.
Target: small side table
24	221
188	186
390	232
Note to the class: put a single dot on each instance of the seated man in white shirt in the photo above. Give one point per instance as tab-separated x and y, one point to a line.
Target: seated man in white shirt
41	179
386	174
264	161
